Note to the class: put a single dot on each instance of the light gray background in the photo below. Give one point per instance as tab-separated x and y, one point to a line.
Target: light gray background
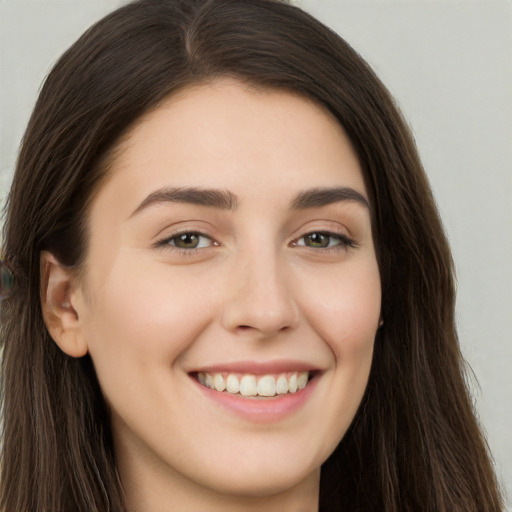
449	65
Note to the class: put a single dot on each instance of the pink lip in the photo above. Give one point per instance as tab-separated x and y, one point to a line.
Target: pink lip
258	368
260	410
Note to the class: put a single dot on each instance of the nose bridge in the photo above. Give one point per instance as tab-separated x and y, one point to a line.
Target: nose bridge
260	296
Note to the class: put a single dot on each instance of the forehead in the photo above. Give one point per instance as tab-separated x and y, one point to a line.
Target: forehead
206	129
227	135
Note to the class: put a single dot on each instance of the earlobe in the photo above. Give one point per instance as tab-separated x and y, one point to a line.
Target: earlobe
59	308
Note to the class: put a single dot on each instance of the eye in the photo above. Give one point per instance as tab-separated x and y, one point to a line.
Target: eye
188	240
324	240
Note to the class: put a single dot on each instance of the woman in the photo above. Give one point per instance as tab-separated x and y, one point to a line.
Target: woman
233	287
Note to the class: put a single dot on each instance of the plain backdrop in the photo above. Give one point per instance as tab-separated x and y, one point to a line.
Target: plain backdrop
449	65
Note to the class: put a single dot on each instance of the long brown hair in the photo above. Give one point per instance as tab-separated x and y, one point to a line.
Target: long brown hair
414	444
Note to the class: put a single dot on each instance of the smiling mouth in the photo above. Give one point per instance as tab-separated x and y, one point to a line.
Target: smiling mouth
250	385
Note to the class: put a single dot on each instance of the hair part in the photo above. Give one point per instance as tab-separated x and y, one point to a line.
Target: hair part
415	443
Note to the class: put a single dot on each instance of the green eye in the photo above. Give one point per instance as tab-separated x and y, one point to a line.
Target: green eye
317	240
186	241
325	240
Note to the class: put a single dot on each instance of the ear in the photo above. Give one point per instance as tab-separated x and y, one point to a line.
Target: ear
59	300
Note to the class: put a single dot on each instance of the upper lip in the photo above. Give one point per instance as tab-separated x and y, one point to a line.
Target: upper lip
257	367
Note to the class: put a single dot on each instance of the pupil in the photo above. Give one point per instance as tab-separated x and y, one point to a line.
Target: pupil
318	240
188	240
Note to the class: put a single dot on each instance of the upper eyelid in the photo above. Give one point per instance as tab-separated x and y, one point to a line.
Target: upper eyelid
338	230
183	226
328	224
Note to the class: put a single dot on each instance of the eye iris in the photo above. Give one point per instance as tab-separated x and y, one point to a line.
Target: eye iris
317	240
187	241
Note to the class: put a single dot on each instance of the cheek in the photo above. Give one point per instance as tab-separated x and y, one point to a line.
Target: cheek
346	311
141	317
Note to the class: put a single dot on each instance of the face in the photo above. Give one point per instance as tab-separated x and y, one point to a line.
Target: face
231	247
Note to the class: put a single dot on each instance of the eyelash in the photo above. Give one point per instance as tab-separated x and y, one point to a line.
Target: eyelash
344	242
166	243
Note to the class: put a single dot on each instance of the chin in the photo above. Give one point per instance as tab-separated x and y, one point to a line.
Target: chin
261	483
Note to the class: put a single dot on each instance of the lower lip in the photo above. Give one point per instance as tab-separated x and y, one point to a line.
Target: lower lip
261	410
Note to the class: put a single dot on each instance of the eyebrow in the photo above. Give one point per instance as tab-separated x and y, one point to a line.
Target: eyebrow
317	197
226	200
213	198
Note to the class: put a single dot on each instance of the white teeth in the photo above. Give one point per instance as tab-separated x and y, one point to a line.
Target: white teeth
302	380
251	385
281	385
248	386
208	380
267	386
292	383
232	384
218	382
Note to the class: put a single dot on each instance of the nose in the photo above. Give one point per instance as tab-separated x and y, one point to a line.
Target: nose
260	297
